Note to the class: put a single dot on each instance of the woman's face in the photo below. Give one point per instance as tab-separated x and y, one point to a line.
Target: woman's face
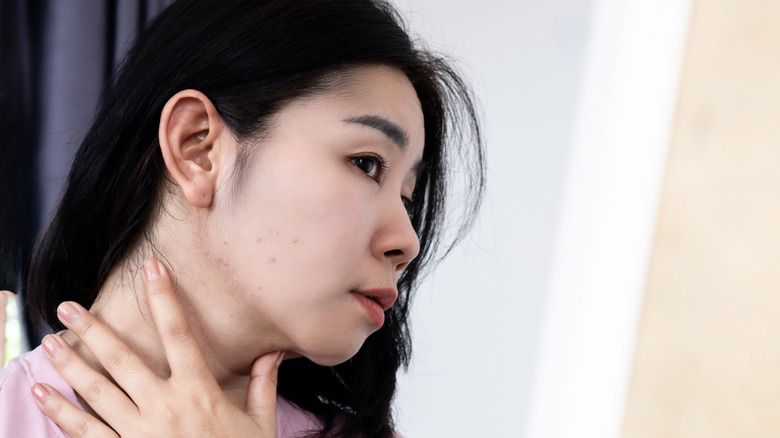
308	246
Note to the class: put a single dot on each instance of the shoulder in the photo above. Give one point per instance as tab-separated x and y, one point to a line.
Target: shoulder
19	415
294	421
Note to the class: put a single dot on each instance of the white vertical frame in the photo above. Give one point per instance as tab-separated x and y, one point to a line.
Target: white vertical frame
621	131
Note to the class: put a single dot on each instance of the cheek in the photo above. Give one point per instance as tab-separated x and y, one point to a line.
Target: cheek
332	227
301	230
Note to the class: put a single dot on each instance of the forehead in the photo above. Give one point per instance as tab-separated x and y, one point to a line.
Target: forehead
378	84
362	93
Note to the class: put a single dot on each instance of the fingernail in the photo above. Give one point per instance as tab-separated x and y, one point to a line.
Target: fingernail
51	345
40	393
151	270
279	359
68	313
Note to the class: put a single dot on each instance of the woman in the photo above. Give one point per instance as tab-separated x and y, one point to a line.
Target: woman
285	162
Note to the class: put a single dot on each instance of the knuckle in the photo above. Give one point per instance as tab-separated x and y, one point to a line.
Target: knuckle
85	326
94	390
170	415
270	384
208	402
81	426
116	357
54	409
178	331
64	360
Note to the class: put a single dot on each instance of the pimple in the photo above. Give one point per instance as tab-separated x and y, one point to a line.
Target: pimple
233	279
226	264
220	260
295	240
251	295
224	242
206	252
273	259
259	287
259	239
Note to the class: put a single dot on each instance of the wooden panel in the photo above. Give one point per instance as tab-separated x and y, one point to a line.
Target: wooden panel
707	362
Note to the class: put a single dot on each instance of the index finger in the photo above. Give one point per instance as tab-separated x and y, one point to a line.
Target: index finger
184	355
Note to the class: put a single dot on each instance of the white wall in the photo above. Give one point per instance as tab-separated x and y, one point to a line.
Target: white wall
477	320
623	121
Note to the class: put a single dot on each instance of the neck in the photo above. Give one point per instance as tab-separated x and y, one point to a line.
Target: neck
230	335
123	306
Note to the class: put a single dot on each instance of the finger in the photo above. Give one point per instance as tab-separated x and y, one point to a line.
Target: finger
261	397
105	398
124	366
71	419
184	355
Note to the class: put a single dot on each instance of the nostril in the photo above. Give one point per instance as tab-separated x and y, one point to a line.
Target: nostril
394	253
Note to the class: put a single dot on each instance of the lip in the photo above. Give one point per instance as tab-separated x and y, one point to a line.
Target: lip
385	297
376	302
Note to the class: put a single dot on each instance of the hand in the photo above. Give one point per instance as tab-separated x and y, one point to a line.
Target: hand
189	403
4	296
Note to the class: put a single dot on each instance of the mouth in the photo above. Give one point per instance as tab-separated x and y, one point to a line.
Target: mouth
385	297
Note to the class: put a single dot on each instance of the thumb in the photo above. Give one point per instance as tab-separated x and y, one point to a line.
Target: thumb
261	397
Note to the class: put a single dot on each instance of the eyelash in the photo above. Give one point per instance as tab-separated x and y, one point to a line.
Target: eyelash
381	167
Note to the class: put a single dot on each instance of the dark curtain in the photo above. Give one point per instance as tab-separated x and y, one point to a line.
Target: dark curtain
55	57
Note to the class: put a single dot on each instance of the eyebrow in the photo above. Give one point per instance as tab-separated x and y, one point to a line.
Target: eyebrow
390	129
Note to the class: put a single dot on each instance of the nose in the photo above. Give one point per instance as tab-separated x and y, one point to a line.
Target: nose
395	240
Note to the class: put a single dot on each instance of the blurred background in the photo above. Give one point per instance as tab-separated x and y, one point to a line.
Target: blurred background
622	278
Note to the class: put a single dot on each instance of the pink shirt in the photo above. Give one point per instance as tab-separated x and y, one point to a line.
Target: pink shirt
20	416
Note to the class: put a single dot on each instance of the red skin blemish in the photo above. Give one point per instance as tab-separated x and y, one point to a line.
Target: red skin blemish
226	264
224	242
251	295
295	240
273	259
220	260
206	252
233	279
259	239
259	287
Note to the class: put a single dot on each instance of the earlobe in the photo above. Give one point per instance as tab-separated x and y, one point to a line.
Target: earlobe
189	134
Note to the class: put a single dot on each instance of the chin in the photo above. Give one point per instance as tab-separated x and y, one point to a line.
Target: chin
334	355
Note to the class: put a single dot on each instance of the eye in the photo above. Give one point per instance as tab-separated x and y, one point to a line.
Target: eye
371	165
407	204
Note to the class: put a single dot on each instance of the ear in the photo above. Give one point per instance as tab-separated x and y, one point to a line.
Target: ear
190	141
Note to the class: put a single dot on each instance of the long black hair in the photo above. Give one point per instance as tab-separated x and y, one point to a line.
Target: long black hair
251	57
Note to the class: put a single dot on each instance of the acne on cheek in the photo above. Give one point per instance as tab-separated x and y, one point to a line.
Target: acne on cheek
222	262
